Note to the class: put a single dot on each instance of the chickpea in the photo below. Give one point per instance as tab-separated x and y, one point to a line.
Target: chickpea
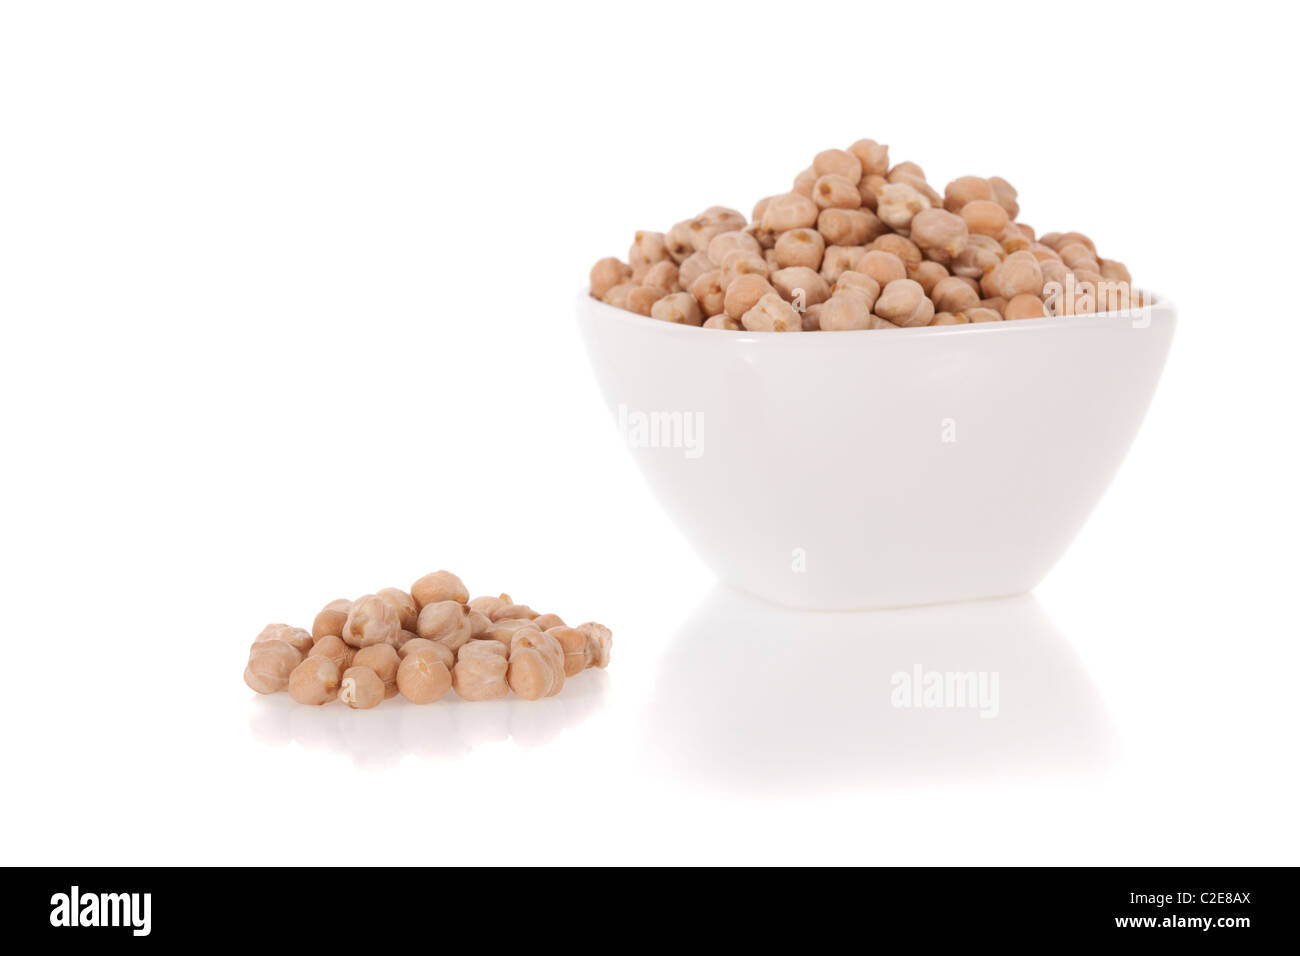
772	314
295	637
446	622
336	649
403	604
899	300
600	641
743	294
872	157
1115	271
981	255
663	276
1017	273
796	279
996	303
1004	194
402	637
741	262
838	162
898	203
647	249
383	660
361	688
696	264
1013	239
544	622
983	315
965	190
929	274
423	678
641	299
1078	256
849	227
490	605
869	189
422	645
709	292
791	211
680	241
439	586
1025	306
1067	238
314	681
859	284
330	619
884	267
938	229
722	321
1054	270
954	295
606	274
845	311
836	192
985	217
680	308
908	252
535	668
573	643
371	620
949	318
800	247
810	320
270	663
804	182
838	260
617	296
513	612
480	672
503	631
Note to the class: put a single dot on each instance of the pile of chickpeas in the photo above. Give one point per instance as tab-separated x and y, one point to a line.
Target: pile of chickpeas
422	643
859	243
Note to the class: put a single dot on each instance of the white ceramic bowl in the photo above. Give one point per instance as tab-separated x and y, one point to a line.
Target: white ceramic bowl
854	470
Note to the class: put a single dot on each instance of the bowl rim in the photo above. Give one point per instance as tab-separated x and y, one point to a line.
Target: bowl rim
1160	305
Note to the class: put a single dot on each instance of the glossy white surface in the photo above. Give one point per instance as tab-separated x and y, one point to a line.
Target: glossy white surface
855	470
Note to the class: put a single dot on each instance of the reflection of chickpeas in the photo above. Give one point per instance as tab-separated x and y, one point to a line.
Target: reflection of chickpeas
314	681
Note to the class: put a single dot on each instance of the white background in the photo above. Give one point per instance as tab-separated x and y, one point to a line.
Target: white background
286	302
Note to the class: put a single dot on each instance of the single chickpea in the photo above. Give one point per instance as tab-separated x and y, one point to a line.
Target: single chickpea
1069	237
678	307
488	605
314	681
698	263
606	274
804	182
722	321
642	298
878	323
663	276
800	247
1004	194
849	227
996	303
1025	306
712	222
1013	239
600	641
270	663
709	292
949	318
423	678
938	229
371	620
838	162
1115	271
859	284
791	211
964	190
1078	256
954	295
884	267
361	688
791	282
617	296
810	320
725	242
899	300
839	260
422	645
647	249
402	637
1044	253
760	207
503	631
480	672
743	294
872	157
439	586
383	660
403	604
741	262
929	274
331	619
680	241
920	185
513	612
981	255
898	203
544	622
772	314
836	192
535	667
1054	270
295	637
573	643
985	217
869	189
336	649
908	252
446	622
1016	274
983	315
845	311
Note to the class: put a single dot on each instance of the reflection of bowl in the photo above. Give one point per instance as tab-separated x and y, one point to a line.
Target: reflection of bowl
880	468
